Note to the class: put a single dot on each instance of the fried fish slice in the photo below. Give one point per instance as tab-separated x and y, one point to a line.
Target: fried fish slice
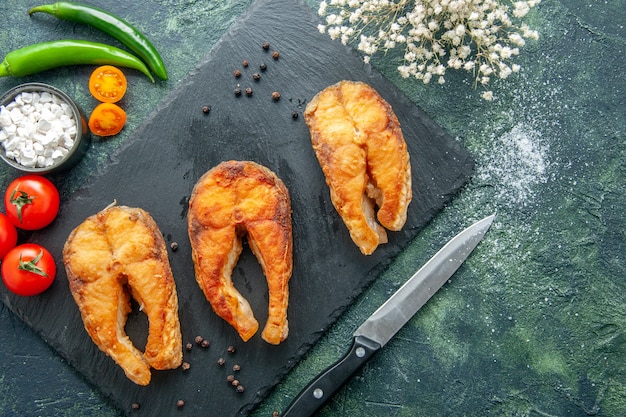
118	249
358	142
234	199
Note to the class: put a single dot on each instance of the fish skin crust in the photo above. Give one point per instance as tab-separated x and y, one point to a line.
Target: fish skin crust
359	144
111	256
230	201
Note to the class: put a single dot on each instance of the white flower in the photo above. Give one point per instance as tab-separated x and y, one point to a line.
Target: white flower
487	95
478	36
521	9
404	71
322	9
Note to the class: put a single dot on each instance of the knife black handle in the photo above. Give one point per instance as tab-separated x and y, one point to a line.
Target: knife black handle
329	381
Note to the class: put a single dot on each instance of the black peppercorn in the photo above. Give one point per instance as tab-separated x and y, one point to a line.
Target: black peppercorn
230	379
249	91
206	109
174	246
266	46
135	406
221	361
294	114
237	91
237	73
185	366
275	54
256	76
188	346
236	367
199	339
263	66
275	95
240	388
231	349
245	63
180	403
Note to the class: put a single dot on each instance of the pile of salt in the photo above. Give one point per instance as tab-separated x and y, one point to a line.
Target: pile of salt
37	129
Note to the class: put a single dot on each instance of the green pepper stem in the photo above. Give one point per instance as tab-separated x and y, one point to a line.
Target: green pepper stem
4	69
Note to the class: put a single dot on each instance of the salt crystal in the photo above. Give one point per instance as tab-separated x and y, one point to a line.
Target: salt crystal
57	154
5	118
26	97
45	97
44	125
16	115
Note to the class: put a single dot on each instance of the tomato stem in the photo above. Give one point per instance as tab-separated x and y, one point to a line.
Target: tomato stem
31	266
20	201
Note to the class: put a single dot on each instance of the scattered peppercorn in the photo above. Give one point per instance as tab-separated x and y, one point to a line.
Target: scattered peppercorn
256	76
245	63
237	73
188	346
221	361
180	403
199	339
237	91
275	414
249	91
275	96
275	54
294	115
266	46
135	406
230	378
240	388
263	66
174	246
185	366
205	343
236	367
206	109
235	383
231	349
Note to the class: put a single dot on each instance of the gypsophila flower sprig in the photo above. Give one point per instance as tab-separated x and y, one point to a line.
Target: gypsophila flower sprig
479	36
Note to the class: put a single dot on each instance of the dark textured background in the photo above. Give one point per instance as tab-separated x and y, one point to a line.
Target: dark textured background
160	164
533	323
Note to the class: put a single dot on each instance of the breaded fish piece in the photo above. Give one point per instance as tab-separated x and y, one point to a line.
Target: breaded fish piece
230	201
358	142
112	255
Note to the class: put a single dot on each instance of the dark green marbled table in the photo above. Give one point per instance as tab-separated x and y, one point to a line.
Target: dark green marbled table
534	324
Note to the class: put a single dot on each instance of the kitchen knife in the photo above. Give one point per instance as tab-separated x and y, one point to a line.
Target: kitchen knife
385	322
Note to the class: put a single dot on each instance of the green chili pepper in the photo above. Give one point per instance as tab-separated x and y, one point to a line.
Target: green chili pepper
47	55
110	24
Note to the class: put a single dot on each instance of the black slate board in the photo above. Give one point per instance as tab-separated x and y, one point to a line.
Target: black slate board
157	169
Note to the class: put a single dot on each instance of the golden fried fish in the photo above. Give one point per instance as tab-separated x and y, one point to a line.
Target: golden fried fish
358	142
112	255
233	200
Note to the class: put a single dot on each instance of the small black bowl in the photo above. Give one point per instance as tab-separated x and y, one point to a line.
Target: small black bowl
81	141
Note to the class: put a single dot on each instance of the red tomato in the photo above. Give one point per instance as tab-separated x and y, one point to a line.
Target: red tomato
8	235
31	202
28	269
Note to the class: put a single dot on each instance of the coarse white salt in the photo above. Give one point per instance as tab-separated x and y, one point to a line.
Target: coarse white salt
37	129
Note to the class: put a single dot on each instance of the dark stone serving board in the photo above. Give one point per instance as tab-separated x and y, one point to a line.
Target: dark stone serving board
158	168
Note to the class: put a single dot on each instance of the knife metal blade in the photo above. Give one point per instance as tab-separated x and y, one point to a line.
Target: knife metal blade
390	317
